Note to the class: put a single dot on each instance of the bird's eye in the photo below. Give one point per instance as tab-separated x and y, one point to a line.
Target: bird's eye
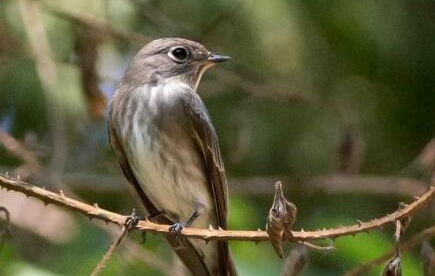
179	54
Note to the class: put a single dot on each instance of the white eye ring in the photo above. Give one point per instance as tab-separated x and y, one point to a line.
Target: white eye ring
179	54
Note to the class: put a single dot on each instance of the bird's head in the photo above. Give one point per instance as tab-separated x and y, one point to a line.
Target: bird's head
167	58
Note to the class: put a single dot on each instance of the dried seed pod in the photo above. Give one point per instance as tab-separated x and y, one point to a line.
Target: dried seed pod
393	266
281	217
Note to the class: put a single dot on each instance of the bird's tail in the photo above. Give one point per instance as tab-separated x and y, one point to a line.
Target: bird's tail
194	262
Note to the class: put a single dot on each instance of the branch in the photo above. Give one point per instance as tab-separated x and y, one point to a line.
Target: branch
109	252
415	240
210	234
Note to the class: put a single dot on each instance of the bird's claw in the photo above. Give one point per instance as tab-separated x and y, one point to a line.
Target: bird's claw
132	220
176	228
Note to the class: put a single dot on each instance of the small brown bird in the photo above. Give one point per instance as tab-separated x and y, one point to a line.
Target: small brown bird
167	147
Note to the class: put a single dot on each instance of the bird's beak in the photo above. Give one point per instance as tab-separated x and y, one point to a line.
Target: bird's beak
215	58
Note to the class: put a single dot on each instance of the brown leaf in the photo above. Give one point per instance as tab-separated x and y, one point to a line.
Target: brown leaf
281	217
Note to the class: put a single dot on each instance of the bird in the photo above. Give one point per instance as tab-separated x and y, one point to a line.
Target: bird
168	149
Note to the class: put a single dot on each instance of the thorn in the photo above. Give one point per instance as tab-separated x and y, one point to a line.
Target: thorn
18	177
360	223
61	193
220	228
258	229
7	174
302	230
96	205
210	227
416	197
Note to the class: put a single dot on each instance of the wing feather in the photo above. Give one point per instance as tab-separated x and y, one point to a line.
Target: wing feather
208	146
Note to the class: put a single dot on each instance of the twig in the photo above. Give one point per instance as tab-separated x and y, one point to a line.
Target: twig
327	248
403	246
109	252
15	147
136	252
207	234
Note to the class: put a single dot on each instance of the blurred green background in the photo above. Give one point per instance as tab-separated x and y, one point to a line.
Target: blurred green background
314	89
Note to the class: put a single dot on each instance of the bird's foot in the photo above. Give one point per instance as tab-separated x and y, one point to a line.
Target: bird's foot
132	220
175	229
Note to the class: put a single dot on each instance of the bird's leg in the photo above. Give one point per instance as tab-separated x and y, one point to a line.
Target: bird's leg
178	226
133	219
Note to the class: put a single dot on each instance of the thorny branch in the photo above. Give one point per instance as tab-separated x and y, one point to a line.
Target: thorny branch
415	240
211	234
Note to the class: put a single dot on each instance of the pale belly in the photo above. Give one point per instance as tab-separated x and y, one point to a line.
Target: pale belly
169	180
177	195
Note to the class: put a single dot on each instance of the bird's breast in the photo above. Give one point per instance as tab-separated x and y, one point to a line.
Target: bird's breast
164	157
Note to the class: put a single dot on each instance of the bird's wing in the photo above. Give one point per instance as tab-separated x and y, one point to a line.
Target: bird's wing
208	146
184	249
207	142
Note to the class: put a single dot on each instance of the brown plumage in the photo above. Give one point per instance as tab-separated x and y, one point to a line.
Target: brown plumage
166	145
